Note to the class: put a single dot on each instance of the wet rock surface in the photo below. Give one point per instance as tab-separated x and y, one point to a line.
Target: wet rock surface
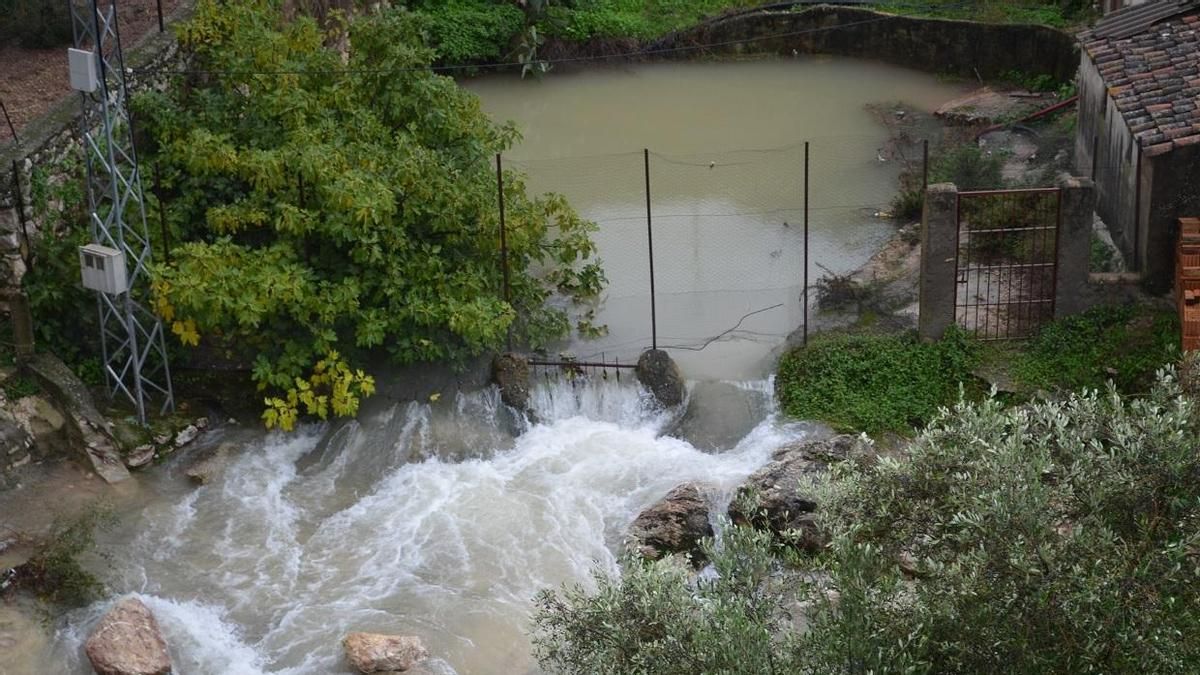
128	641
212	466
658	373
376	653
674	524
510	372
783	503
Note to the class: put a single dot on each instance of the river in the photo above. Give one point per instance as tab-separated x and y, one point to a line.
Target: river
431	518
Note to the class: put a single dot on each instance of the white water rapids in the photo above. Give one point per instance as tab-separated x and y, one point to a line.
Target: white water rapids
425	519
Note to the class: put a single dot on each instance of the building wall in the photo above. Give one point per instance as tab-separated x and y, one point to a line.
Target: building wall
1106	151
1174	193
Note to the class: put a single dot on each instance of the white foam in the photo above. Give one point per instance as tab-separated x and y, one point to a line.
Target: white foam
261	570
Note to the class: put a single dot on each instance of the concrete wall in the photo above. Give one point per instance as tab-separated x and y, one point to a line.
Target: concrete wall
1106	151
964	48
1173	187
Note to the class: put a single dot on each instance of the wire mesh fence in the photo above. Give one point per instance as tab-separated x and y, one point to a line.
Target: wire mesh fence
733	234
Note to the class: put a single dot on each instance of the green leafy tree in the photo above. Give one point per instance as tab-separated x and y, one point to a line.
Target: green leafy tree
333	204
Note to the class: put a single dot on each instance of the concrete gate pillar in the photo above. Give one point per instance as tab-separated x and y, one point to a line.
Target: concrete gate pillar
939	251
1077	211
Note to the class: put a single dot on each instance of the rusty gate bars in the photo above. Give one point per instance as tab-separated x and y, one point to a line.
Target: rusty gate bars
650	247
805	242
503	240
1024	220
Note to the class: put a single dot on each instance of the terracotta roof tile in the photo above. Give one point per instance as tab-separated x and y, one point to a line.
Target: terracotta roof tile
1154	78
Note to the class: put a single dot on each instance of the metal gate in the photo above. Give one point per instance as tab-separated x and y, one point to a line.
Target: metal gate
1007	261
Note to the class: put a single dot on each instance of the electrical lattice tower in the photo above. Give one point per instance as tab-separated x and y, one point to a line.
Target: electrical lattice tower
134	351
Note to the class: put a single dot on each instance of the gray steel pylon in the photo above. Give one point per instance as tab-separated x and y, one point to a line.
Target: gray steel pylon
132	340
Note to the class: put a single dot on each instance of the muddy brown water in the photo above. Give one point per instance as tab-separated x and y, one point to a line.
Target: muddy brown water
431	518
727	188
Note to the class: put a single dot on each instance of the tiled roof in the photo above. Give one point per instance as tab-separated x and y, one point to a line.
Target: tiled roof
1154	77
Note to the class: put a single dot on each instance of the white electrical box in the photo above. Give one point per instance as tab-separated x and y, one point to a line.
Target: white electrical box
103	269
83	70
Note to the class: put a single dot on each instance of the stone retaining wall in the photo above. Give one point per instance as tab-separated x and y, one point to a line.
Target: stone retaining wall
963	48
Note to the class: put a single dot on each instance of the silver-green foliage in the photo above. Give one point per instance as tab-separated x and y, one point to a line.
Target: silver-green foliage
1057	537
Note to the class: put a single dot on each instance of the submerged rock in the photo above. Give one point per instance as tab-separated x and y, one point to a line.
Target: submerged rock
782	504
211	467
674	524
658	373
128	641
375	653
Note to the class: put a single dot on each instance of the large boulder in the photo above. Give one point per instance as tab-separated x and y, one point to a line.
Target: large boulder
510	372
128	641
375	653
658	373
674	524
781	502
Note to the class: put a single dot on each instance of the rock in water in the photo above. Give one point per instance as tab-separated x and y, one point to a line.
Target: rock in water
783	505
186	435
511	373
128	641
140	456
375	653
674	524
212	466
658	373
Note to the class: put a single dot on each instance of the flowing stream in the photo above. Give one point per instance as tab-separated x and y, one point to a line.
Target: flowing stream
425	519
436	519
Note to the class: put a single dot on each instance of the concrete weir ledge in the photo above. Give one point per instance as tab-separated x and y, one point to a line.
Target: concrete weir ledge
656	371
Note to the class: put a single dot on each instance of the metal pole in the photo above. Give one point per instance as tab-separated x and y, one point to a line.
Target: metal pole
503	239
161	28
650	248
8	119
162	216
28	253
925	165
805	242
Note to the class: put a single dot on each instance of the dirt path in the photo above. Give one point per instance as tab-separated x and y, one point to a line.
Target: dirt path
32	81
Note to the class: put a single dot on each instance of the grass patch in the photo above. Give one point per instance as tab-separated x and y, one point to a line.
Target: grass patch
894	383
1124	344
874	383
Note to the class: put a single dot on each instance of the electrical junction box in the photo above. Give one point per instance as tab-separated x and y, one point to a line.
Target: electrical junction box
83	70
103	269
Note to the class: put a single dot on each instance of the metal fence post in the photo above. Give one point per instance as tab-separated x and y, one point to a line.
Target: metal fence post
161	27
162	216
650	248
12	129
924	165
503	239
27	254
805	242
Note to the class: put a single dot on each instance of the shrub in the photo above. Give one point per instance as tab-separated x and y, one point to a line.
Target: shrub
652	620
1056	537
54	573
969	167
465	31
873	383
1059	537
